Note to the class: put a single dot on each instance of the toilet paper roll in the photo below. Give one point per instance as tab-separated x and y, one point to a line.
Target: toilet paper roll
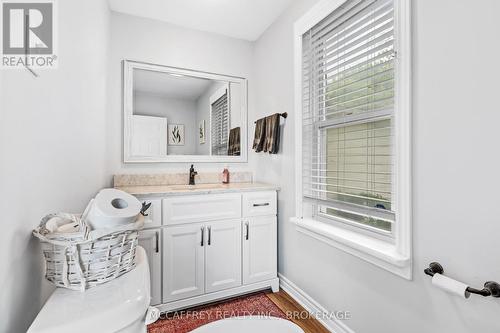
452	286
112	208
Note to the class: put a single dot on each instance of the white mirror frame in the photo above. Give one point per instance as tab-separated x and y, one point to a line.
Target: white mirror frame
128	87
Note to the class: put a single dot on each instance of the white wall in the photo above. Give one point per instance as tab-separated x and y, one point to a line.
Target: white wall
157	42
455	122
177	111
52	148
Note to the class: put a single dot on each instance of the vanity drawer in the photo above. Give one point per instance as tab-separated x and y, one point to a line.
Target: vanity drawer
154	213
259	203
201	208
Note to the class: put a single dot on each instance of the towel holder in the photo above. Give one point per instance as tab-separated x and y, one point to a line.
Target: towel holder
491	288
284	115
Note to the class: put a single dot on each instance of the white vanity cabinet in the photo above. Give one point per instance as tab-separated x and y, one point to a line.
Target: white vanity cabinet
211	246
223	255
150	241
259	249
259	236
201	258
183	262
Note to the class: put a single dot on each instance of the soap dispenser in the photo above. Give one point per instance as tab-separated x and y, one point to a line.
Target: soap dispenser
225	176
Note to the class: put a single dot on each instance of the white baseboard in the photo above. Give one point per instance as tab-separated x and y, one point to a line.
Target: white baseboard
334	325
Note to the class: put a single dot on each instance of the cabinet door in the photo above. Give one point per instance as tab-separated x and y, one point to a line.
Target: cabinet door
150	241
223	255
259	249
183	262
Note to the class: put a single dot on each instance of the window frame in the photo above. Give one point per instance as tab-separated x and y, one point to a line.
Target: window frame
393	254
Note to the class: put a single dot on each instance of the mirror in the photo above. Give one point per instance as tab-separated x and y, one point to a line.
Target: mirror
180	115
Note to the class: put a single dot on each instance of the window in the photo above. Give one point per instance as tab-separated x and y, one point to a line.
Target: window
220	123
357	175
348	105
354	125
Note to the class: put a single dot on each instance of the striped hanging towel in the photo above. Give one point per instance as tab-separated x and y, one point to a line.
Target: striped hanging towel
260	135
272	127
234	142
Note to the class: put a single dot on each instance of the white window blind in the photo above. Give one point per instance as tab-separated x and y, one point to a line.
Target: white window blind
348	107
220	125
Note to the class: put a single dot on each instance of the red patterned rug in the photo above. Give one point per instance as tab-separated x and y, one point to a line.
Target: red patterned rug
188	320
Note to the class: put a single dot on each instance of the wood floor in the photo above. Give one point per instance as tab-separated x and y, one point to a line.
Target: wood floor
296	312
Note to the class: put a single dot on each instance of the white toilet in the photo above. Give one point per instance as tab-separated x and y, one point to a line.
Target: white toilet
120	305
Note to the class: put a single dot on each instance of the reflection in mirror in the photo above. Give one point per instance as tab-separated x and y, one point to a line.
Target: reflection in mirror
174	113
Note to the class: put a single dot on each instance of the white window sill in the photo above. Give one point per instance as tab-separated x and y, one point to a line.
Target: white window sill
375	251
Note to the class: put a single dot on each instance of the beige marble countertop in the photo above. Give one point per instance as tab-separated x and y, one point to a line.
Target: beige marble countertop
175	190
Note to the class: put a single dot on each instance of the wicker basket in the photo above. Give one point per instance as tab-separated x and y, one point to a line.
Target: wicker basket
84	258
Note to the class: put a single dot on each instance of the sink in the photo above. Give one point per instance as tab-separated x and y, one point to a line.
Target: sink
195	187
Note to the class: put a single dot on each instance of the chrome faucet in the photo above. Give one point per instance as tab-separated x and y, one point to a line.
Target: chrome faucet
192	173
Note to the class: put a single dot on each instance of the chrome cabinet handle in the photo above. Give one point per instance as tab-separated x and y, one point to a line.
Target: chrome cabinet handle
247	230
261	204
209	235
157	241
202	236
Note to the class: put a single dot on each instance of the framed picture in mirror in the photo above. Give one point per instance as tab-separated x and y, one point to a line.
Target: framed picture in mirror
201	130
176	135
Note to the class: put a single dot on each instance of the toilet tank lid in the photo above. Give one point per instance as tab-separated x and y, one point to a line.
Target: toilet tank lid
108	307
